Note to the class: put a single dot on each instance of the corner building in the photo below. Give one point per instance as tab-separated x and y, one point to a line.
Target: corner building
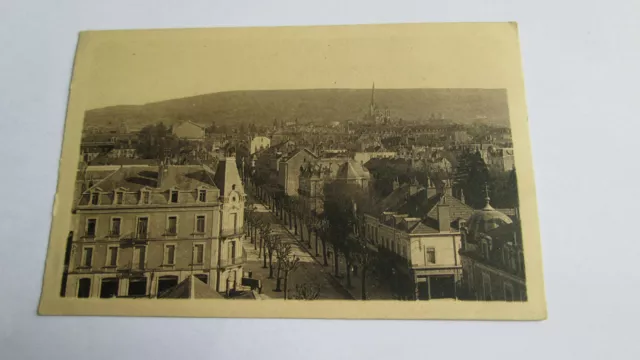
142	230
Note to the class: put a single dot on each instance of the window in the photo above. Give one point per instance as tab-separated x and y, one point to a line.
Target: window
95	198
172	225
486	286
462	224
112	256
84	288
431	255
198	253
138	286
91	227
169	254
139	257
202	195
146	196
109	288
174	196
87	257
234	218
119	197
200	224
143	226
512	263
485	249
508	292
231	254
166	283
115	226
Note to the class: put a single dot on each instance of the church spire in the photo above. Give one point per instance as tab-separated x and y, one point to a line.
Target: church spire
372	106
373	94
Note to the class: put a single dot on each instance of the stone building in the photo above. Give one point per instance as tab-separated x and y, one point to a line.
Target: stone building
492	257
418	228
500	159
142	230
289	170
259	143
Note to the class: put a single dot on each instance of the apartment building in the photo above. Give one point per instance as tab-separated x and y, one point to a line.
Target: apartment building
492	257
418	227
142	230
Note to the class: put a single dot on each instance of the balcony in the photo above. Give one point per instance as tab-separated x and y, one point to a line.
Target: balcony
234	261
132	239
232	232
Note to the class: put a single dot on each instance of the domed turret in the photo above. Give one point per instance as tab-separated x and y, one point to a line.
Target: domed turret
486	219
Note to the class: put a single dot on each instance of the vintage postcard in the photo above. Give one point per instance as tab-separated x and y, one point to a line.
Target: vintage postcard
357	172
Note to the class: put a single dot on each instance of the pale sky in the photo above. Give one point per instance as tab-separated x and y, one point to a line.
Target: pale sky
137	67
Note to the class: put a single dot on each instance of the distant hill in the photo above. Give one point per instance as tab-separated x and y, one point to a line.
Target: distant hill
319	106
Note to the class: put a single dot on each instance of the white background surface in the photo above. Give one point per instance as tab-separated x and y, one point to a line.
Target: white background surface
581	69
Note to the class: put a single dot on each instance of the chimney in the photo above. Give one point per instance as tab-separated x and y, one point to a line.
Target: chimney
396	184
448	189
162	171
431	188
413	188
462	196
444	218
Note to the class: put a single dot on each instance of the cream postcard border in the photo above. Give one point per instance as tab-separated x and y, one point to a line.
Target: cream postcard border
504	45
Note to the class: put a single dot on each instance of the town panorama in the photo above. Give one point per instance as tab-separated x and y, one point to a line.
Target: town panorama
297	204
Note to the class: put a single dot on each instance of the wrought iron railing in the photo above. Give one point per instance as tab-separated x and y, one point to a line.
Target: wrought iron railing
234	261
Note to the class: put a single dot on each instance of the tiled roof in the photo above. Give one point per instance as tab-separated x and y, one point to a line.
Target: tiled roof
135	178
421	206
191	288
397	197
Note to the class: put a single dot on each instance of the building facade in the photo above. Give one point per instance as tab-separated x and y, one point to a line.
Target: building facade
189	130
142	230
419	229
259	143
492	257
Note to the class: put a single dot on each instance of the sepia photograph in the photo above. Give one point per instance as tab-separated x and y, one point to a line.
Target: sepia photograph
378	171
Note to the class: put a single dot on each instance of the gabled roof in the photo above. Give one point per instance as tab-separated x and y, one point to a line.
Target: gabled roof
353	170
290	155
192	123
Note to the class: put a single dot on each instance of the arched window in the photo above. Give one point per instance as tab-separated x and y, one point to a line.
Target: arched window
485	249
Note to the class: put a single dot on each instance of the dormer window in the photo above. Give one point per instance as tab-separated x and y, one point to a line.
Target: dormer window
118	199
95	198
145	197
173	196
485	249
202	195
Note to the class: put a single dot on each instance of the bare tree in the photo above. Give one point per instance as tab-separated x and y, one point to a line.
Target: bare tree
265	231
287	263
271	244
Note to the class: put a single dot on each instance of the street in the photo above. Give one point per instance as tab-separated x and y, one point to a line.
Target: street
309	270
